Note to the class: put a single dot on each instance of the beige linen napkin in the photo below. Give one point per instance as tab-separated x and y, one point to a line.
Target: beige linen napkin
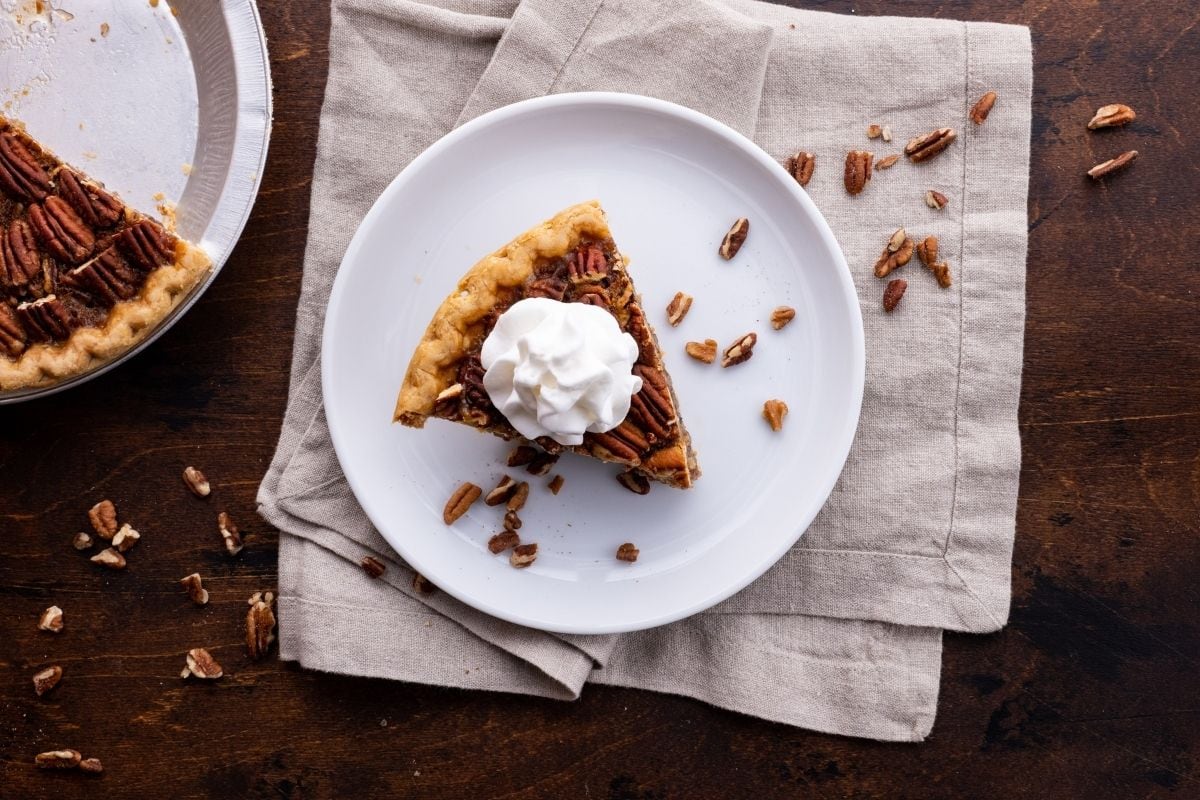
844	634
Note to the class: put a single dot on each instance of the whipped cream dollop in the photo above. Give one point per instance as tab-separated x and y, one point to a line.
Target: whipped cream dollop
559	369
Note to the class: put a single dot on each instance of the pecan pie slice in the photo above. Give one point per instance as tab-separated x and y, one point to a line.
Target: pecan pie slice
83	277
570	258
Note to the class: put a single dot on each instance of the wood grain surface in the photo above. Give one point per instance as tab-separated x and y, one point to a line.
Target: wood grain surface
1092	691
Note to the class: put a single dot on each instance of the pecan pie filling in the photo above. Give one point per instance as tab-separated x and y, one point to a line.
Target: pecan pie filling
69	250
593	273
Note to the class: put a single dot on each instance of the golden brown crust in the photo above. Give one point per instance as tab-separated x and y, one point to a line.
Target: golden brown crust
434	364
127	324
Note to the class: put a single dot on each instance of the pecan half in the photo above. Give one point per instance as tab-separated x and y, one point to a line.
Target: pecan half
520	494
103	517
57	759
47	679
260	625
461	500
887	162
422	585
51	620
740	351
734	240
773	412
1111	116
627	552
858	170
922	148
555	485
201	664
521	455
504	490
45	319
147	245
82	541
635	482
640	332
678	308
503	541
587	263
196	482
12	335
781	316
373	566
983	106
20	262
1112	165
95	206
614	448
107	277
800	165
927	250
61	231
896	254
936	200
705	351
125	538
110	557
523	555
893	293
941	271
21	175
194	586
91	765
229	533
542	463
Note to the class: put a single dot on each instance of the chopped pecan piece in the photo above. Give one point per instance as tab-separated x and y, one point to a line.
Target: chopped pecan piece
51	620
1112	115
941	271
542	463
887	162
504	490
194	586
893	293
107	277
922	148
927	250
61	230
447	402
874	131
555	484
936	200
125	538
57	759
21	175
201	664
1112	165
95	206
103	517
678	308
422	585
734	240
109	557
627	552
523	555
47	679
229	533
781	316
520	494
773	412
512	521
478	403
635	482
503	541
896	254
705	351
196	482
12	335
522	455
260	625
460	501
858	170
147	245
20	262
82	541
45	319
886	133
373	566
91	765
983	106
800	165
740	351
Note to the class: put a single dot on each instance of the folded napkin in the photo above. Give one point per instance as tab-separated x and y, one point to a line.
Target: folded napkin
844	633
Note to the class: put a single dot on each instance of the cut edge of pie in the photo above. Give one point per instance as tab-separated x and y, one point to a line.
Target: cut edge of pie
101	293
570	257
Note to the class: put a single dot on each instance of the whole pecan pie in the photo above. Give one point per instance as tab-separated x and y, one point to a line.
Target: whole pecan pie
83	277
570	258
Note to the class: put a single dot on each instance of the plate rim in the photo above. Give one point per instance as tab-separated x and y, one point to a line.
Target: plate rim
250	94
643	103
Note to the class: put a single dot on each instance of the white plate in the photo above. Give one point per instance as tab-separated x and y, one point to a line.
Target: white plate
672	181
131	93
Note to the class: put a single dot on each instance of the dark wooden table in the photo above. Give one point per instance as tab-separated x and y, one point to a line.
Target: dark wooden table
1093	689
